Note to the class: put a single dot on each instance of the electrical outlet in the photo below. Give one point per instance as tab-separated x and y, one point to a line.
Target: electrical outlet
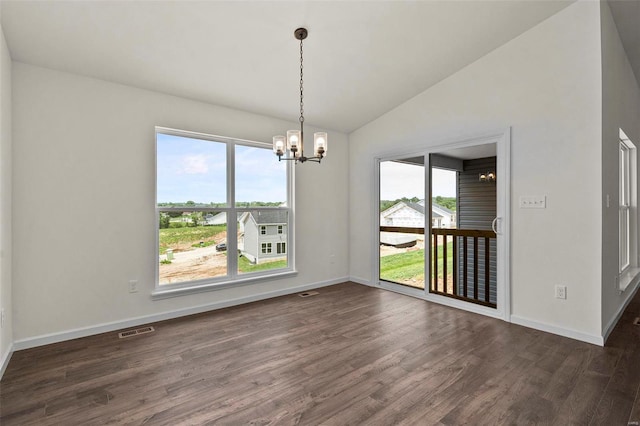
561	292
133	286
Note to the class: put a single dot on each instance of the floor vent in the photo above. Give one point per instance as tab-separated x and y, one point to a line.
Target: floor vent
308	293
636	321
129	333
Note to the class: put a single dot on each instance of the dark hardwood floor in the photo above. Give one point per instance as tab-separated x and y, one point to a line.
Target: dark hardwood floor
350	355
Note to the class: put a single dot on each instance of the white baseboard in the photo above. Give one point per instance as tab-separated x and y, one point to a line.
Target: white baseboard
47	339
362	281
614	321
6	357
572	334
560	331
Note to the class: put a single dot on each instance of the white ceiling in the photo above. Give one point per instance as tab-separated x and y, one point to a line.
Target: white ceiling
362	58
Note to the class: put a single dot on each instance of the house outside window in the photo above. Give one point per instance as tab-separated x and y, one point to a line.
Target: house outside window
206	210
258	246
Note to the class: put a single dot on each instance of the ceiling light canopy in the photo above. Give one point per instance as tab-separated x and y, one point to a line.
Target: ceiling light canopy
291	147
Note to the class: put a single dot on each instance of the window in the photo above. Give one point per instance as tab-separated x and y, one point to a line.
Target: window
209	189
626	196
279	229
281	248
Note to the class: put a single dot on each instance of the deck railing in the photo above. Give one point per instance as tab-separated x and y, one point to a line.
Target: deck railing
471	277
476	282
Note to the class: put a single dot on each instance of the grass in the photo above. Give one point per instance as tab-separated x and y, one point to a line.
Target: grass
245	266
188	235
407	266
402	266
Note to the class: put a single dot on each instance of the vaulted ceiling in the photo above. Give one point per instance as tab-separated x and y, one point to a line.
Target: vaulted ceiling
362	58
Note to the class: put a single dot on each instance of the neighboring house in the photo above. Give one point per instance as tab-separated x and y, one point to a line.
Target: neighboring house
264	235
407	214
217	219
447	218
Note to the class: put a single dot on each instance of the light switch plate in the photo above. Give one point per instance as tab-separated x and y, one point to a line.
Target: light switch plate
533	202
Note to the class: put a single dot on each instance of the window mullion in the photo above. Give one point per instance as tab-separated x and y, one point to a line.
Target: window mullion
232	217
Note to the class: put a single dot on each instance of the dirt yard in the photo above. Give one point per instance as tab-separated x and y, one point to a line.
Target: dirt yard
191	263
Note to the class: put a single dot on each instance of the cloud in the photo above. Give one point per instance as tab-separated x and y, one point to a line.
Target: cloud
194	164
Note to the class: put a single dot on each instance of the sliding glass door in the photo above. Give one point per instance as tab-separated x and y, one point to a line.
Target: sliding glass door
402	220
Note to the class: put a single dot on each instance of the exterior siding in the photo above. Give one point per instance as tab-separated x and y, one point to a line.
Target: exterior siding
253	240
274	238
404	216
250	240
476	210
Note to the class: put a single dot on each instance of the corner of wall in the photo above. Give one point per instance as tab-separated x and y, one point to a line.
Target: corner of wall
6	323
620	109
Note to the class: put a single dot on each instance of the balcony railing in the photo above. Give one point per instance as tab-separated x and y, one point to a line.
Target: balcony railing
467	271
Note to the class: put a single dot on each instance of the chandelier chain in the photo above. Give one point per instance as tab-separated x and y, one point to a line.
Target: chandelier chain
301	87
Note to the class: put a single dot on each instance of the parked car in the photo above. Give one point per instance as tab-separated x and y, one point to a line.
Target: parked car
221	247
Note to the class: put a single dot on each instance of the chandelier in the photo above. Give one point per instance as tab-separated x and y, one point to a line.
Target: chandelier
293	143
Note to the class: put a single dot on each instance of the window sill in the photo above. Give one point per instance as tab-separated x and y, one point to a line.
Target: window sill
628	277
186	289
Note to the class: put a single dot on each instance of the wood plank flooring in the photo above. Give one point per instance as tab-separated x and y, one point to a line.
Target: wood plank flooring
350	355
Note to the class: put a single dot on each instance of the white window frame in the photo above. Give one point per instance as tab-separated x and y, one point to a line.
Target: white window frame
281	248
627	211
233	277
280	229
263	230
266	248
624	207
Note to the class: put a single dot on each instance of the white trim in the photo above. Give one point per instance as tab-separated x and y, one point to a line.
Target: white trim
477	309
46	339
614	321
462	305
232	276
560	331
403	289
502	140
6	357
363	281
192	287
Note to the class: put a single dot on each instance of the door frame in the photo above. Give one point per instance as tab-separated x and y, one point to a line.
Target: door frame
502	140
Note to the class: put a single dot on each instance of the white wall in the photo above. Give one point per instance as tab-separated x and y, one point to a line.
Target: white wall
6	335
621	109
84	200
545	84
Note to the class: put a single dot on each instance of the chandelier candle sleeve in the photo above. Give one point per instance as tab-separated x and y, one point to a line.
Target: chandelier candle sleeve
278	145
293	140
319	144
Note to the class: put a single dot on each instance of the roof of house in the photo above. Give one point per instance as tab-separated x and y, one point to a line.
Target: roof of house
268	217
436	209
444	209
417	207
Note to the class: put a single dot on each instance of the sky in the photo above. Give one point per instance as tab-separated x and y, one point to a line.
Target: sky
399	180
195	170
